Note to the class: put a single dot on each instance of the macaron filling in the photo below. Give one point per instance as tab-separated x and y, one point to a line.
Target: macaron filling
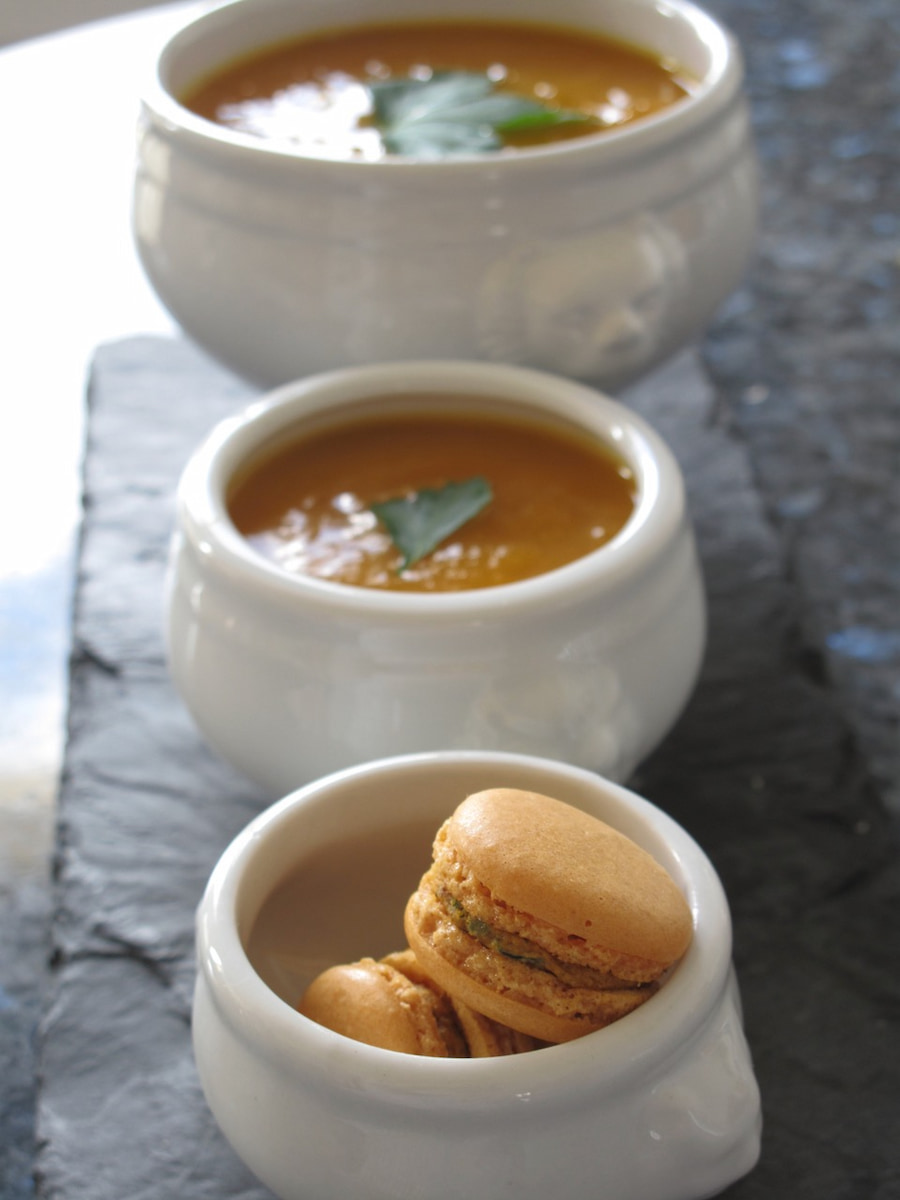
518	979
530	953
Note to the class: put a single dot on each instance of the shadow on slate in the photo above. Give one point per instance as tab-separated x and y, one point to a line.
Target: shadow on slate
760	769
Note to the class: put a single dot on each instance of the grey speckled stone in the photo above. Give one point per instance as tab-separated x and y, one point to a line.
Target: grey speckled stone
763	768
806	356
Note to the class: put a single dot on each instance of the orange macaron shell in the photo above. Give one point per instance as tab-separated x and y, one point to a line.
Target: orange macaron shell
544	918
392	1003
376	1003
484	1038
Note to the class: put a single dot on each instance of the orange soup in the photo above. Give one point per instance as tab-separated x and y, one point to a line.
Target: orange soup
316	93
556	496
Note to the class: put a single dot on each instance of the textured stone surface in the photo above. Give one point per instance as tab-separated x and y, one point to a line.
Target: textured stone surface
762	768
765	771
144	813
806	356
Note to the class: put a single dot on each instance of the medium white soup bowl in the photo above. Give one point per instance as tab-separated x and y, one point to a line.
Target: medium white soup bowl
596	258
661	1105
290	677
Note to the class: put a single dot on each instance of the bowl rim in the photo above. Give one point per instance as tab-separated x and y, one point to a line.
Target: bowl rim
633	1047
719	88
659	516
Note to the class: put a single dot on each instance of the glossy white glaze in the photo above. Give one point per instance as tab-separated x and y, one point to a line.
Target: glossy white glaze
290	677
662	1105
596	258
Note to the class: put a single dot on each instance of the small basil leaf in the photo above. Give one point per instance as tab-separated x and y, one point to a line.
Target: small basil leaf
455	112
419	522
545	118
398	101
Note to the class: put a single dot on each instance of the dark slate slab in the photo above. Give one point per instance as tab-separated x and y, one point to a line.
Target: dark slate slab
144	812
764	768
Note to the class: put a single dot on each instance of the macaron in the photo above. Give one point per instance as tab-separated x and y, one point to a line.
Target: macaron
392	1003
544	918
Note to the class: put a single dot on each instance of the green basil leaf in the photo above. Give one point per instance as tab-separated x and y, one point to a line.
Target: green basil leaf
399	101
419	522
541	117
455	112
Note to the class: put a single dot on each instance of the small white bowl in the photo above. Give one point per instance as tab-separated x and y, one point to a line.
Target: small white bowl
661	1105
290	677
595	258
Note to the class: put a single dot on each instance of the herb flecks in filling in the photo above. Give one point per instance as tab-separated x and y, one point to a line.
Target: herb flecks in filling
508	944
514	946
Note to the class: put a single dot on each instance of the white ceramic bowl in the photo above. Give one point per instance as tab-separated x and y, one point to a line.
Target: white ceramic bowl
595	258
291	677
661	1105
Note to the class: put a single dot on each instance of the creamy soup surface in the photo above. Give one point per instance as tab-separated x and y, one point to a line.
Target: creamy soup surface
313	93
557	496
342	903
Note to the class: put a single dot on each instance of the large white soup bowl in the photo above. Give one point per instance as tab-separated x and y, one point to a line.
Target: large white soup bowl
290	677
661	1105
595	258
